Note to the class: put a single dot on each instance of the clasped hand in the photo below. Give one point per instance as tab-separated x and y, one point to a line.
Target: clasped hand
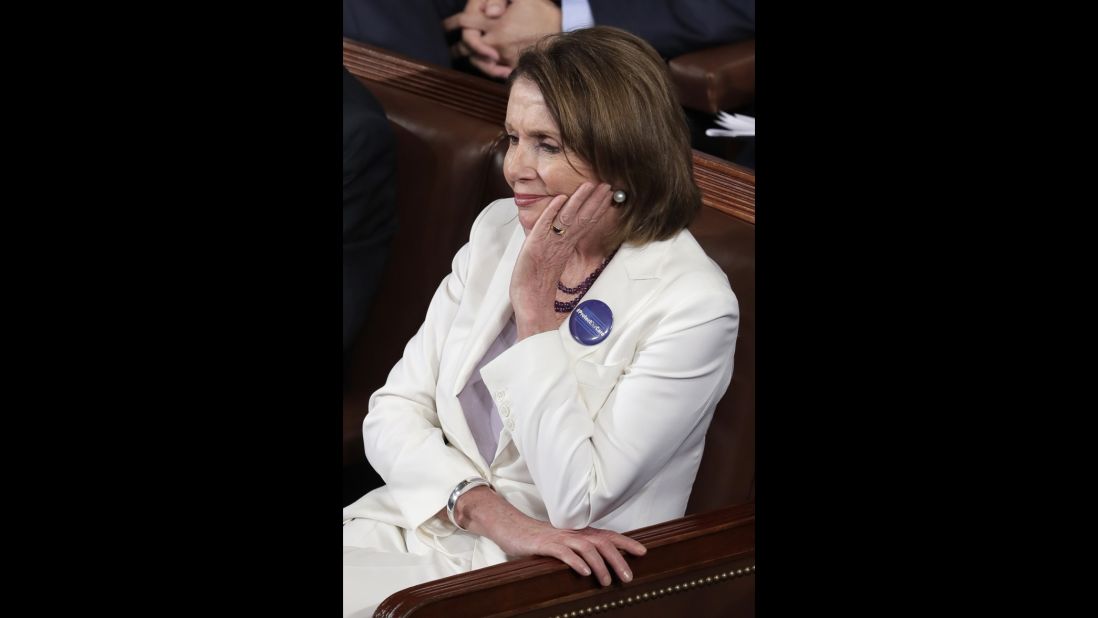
494	32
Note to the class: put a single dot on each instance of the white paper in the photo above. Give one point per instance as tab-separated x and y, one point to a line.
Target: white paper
735	125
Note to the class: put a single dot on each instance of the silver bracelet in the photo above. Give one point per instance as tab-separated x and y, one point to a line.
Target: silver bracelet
459	490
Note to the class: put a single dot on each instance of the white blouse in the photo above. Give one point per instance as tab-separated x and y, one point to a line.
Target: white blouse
478	405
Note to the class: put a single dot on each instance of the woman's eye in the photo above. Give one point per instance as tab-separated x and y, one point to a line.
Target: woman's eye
513	140
549	148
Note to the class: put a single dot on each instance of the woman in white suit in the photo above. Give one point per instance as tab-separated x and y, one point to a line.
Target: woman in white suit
559	390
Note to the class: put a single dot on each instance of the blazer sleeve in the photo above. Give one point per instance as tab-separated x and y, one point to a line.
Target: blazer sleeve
676	27
402	435
587	462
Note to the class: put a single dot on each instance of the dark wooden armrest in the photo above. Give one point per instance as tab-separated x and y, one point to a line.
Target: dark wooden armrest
718	78
701	565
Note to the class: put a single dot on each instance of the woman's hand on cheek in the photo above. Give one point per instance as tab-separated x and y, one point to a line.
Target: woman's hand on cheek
545	253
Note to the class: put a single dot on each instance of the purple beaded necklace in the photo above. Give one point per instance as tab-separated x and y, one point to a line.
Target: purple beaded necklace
581	288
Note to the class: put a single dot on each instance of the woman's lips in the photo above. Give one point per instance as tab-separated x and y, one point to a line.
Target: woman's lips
526	199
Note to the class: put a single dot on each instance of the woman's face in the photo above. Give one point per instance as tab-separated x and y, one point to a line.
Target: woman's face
535	165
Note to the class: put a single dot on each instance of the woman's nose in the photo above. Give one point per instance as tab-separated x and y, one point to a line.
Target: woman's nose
518	164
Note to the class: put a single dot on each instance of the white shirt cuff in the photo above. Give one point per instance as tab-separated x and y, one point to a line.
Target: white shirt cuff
575	14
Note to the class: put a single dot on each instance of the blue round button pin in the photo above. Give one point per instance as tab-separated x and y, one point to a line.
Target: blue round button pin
591	322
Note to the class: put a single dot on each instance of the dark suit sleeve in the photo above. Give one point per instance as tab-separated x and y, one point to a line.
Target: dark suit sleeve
369	200
409	27
675	27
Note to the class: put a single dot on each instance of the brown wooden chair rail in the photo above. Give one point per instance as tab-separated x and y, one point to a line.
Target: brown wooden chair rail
701	565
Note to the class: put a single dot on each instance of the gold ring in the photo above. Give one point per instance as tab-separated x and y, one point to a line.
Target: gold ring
558	231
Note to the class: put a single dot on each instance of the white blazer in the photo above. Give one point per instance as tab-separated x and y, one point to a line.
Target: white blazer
608	435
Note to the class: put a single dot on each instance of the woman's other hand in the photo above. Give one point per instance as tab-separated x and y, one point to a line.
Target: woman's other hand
587	551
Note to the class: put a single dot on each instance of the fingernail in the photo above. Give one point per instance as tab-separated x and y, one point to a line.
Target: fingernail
586	571
606	582
628	576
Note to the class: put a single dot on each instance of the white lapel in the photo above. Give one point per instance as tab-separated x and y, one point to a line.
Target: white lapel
623	286
628	279
492	314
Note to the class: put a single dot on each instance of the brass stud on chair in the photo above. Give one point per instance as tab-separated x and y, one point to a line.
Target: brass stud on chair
655	594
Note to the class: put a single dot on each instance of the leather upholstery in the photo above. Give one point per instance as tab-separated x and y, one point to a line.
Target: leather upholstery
448	169
715	79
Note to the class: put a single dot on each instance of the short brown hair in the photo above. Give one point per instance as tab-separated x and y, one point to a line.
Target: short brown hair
610	94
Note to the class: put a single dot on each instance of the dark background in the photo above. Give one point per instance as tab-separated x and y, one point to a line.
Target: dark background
217	208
